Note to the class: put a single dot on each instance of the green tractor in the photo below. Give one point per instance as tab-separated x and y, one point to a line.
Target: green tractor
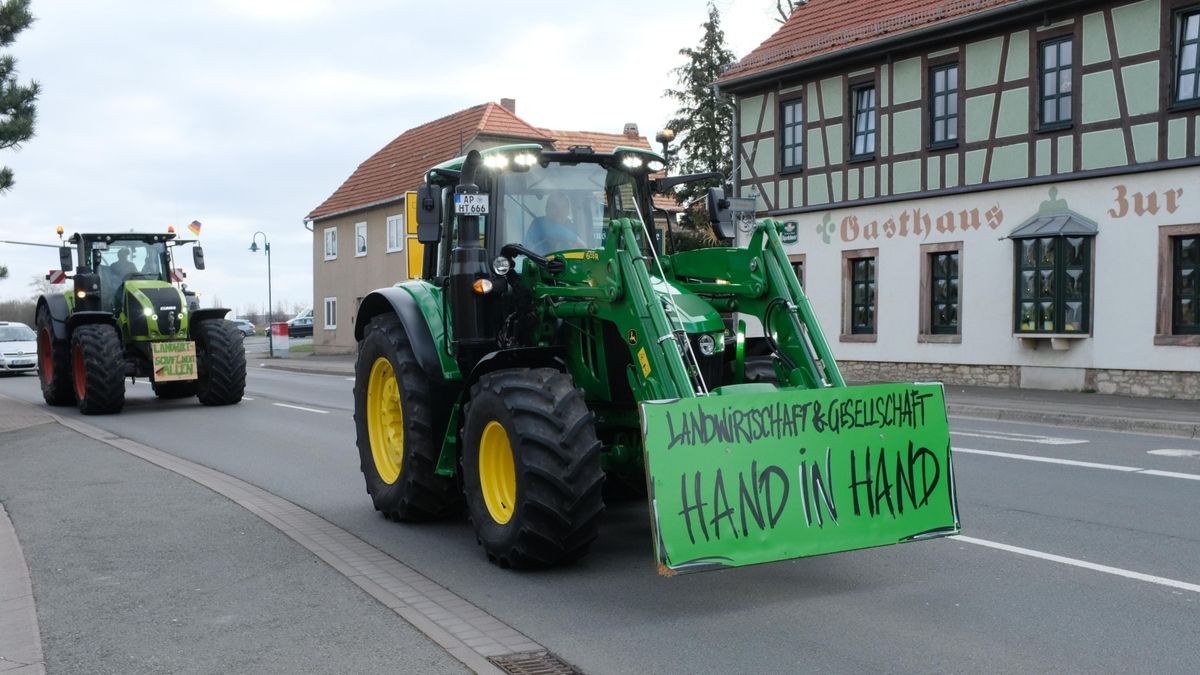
550	345
124	316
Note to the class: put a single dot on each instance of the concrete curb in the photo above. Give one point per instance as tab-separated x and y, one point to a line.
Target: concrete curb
20	637
1138	425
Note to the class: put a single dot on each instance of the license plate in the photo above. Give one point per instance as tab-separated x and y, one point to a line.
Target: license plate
174	361
471	205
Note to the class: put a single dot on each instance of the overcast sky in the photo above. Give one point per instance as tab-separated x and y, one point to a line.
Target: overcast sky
246	114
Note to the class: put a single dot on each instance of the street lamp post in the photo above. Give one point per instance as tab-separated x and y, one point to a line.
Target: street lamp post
270	304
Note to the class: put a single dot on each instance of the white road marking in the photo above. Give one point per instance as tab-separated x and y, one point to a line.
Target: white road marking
1020	438
1129	574
298	407
1172	474
1174	452
350	378
247	398
1049	460
1086	465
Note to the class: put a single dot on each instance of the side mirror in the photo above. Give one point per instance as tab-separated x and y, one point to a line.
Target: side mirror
429	214
198	257
64	258
726	212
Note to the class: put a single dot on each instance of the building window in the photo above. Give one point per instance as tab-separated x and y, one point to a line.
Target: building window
1057	83
1187	60
941	292
1178	286
1053	284
943	106
860	299
330	243
330	313
792	144
395	233
360	239
797	260
863	139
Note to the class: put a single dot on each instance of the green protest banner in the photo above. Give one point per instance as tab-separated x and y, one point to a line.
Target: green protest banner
755	476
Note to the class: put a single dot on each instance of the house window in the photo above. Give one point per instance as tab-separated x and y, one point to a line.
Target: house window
797	261
330	243
943	106
1185	287
330	313
941	292
1054	61
860	300
1178	286
792	144
360	239
395	233
1187	60
863	139
1053	284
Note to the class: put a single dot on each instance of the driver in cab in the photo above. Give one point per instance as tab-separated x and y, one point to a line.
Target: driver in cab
554	231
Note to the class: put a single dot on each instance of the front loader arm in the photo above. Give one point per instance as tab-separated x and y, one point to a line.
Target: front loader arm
758	281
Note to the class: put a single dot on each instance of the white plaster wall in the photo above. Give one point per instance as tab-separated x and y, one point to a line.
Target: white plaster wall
1125	276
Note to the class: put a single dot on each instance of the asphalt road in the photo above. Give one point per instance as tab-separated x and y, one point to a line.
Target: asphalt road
1066	498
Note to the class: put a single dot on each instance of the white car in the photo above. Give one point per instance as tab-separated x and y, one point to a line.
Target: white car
18	348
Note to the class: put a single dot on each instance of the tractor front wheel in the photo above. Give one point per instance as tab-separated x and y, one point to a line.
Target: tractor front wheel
393	416
531	468
220	363
54	363
98	369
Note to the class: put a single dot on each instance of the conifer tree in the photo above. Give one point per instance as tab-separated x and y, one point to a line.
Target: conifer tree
18	103
703	120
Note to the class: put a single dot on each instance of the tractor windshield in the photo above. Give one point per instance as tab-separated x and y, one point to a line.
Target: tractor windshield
563	206
120	260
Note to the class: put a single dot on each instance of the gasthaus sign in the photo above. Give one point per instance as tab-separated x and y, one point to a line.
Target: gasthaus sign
742	479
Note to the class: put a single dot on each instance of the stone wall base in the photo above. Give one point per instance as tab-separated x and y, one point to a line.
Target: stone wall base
1146	383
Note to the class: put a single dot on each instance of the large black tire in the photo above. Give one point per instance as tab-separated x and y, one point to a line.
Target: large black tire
220	363
529	439
98	369
168	390
393	417
54	363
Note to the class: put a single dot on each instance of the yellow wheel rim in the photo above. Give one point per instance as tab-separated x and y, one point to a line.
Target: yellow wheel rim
497	473
385	420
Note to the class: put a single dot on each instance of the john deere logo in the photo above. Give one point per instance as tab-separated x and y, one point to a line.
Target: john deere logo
790	233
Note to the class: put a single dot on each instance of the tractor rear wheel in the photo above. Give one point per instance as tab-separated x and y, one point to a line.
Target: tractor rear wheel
393	416
220	363
531	468
174	389
54	363
98	369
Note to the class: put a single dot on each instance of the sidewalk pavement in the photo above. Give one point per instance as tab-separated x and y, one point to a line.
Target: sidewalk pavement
1172	417
137	569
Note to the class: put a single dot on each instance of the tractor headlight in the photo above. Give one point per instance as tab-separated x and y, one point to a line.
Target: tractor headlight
495	161
525	159
707	344
147	311
81	294
501	266
655	165
632	162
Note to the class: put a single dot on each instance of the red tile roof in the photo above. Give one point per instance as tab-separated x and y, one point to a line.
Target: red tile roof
599	141
822	27
401	165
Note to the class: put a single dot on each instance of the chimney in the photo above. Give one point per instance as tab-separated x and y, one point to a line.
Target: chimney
509	104
631	131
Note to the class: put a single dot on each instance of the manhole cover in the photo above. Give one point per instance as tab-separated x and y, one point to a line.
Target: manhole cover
534	663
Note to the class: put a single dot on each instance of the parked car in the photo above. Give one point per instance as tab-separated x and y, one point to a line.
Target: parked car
18	348
301	326
245	326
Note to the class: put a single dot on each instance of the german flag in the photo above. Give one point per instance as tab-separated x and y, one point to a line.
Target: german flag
194	228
